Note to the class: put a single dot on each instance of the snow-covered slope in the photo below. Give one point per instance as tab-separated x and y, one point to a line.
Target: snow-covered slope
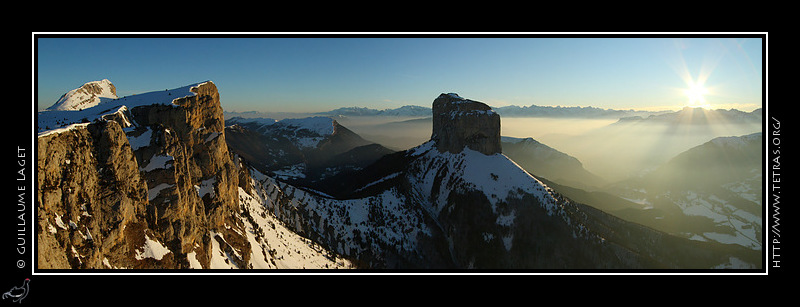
273	244
496	176
364	228
425	208
396	224
305	149
717	185
303	132
737	142
308	132
86	96
57	119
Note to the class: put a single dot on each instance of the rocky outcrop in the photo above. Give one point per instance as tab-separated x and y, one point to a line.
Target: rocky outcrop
89	192
152	185
189	170
460	123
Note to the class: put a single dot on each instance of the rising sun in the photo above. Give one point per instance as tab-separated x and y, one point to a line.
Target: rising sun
696	94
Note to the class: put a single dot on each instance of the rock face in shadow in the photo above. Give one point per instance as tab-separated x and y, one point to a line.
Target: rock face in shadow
460	122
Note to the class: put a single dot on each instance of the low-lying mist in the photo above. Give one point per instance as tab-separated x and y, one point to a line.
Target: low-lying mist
614	150
398	133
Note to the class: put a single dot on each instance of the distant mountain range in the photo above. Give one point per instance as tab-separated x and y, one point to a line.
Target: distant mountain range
508	111
699	116
695	115
361	111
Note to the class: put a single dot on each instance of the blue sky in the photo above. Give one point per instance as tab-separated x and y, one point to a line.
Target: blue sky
297	74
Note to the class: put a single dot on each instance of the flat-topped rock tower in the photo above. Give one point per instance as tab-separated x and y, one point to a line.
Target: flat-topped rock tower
460	123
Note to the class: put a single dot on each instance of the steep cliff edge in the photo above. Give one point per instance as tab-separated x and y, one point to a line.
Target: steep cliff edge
89	193
145	181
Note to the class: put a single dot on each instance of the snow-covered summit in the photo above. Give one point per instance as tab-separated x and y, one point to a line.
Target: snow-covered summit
88	95
737	141
319	124
454	96
497	176
305	132
53	119
404	111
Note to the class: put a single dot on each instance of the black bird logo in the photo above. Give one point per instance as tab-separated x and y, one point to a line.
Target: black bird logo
18	293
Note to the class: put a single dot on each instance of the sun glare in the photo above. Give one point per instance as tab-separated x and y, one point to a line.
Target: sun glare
696	94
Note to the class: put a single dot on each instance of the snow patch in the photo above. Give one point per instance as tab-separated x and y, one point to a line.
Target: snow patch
151	249
193	262
158	162
387	177
212	136
206	187
291	172
61	129
152	193
219	258
60	222
142	140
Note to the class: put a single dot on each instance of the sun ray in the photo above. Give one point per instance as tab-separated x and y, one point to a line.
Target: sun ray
696	94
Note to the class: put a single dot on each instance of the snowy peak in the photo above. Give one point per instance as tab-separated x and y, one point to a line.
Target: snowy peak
86	96
408	110
303	132
700	116
71	113
496	176
737	141
460	123
320	125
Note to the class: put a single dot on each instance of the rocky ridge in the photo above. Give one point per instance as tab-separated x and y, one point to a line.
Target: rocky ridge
144	182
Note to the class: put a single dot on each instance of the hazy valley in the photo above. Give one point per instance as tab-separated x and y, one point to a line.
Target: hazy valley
601	159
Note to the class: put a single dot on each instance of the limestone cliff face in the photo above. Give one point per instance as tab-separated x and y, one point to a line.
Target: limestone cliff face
89	191
460	122
150	186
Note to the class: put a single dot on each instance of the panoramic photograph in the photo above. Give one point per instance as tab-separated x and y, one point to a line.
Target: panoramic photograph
420	154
